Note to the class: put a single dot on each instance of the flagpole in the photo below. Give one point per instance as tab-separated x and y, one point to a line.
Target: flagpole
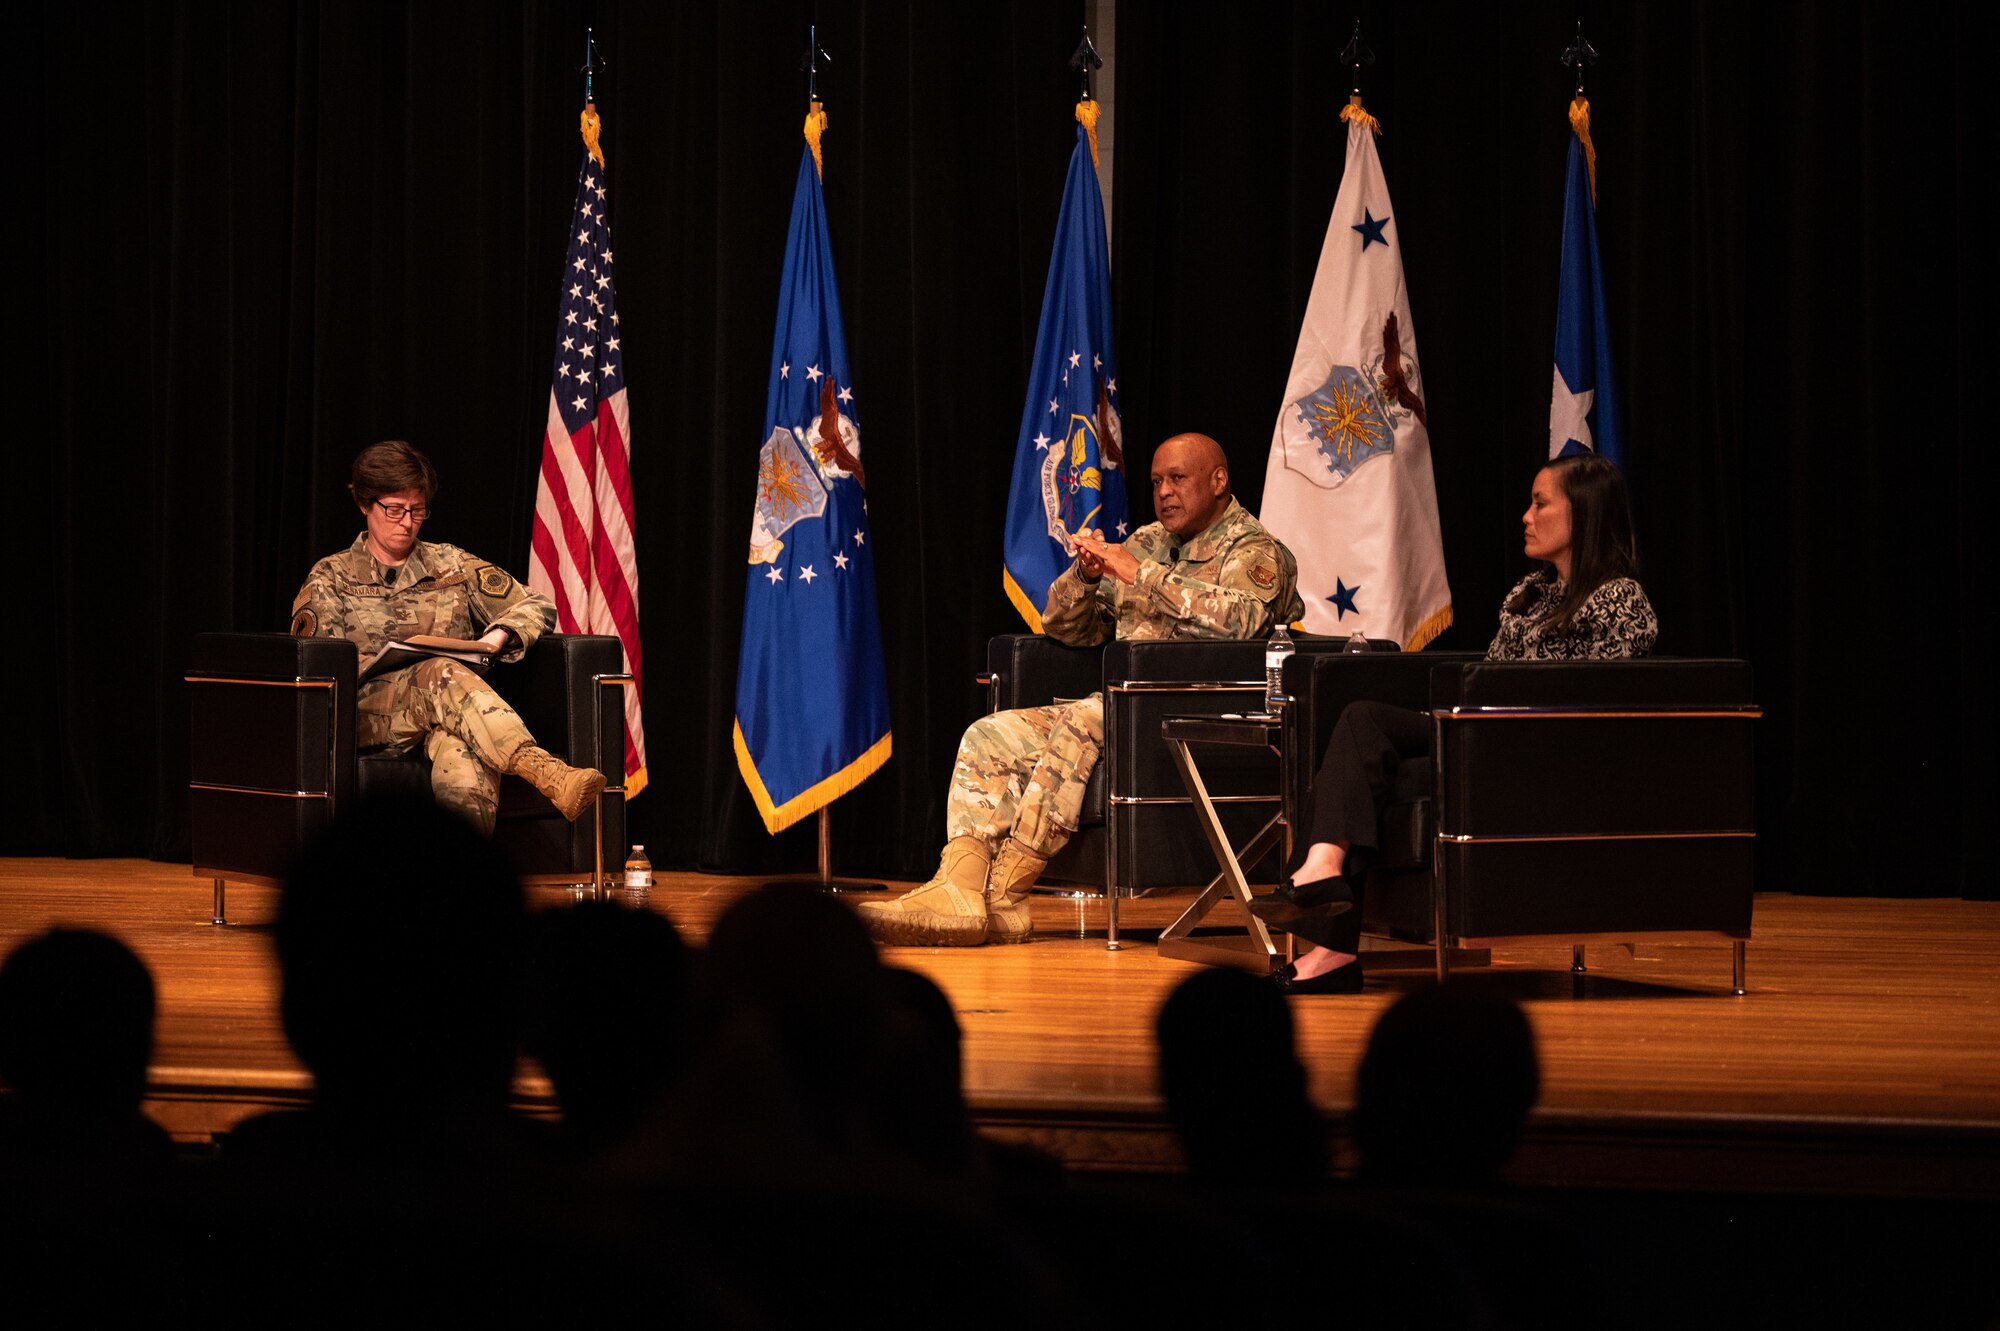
1356	53
825	882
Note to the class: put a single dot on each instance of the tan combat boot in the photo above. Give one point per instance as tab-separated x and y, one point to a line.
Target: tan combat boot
1008	919
570	789
948	911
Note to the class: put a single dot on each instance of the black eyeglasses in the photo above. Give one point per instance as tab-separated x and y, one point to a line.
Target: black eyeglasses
396	512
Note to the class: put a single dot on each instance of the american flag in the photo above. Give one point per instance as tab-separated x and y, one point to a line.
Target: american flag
582	555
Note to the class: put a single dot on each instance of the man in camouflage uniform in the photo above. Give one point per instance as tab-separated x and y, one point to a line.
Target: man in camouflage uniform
389	585
1206	569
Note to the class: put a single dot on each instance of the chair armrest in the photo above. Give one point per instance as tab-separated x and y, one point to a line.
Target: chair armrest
1183	662
1030	670
1649	683
273	656
271	712
1322	684
1214	660
555	689
1554	748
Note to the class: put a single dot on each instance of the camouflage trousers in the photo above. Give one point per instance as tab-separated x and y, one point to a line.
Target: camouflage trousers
1022	773
468	731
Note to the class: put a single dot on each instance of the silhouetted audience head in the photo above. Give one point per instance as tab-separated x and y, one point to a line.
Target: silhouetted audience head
76	1025
400	936
1231	1077
919	1101
1448	1080
88	1202
792	973
607	999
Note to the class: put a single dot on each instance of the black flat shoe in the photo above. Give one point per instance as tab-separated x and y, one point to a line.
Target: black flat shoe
1340	980
1322	899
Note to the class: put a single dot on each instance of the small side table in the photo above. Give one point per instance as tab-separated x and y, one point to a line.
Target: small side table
1255	951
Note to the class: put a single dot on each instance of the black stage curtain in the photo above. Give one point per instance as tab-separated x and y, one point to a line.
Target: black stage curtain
1785	199
247	240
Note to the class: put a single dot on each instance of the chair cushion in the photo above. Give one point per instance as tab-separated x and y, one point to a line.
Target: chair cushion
1093	797
1405	834
406	775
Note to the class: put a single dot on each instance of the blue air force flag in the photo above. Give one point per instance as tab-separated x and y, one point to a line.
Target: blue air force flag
1069	457
1583	402
1349	485
812	704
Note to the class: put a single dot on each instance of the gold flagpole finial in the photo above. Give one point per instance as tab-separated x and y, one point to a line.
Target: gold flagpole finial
1579	54
1086	62
1358	53
815	127
589	122
1579	120
1086	115
815	108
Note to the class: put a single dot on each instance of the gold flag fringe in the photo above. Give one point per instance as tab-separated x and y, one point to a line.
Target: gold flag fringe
807	802
1086	115
1029	610
1579	120
1421	635
592	127
1354	113
816	126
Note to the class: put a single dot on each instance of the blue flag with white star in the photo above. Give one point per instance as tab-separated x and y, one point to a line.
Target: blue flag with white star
1069	457
812	699
1583	402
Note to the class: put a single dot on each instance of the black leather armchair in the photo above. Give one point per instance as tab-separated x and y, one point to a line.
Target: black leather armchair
1137	832
272	752
1563	800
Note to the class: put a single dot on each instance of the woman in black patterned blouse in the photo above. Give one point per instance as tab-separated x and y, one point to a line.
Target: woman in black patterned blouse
1583	604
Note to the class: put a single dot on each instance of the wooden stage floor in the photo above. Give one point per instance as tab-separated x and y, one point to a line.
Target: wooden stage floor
1865	1058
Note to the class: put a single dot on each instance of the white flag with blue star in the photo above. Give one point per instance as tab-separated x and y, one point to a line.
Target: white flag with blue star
1349	484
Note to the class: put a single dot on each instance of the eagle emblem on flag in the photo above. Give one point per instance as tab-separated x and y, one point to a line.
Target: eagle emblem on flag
1353	416
1073	471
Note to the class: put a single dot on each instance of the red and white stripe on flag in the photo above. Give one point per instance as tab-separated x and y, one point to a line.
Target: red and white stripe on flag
582	556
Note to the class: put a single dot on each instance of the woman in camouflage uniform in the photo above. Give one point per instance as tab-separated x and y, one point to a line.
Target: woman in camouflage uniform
389	585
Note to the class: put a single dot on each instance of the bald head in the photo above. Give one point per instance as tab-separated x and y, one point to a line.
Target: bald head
1190	483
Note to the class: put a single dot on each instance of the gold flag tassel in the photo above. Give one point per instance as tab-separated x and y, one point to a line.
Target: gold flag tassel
816	126
592	126
1354	113
1579	120
1086	115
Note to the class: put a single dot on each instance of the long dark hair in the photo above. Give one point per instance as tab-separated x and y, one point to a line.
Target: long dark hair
1601	544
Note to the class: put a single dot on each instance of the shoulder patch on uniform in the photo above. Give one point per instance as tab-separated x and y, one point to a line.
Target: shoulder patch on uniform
1264	575
305	624
494	580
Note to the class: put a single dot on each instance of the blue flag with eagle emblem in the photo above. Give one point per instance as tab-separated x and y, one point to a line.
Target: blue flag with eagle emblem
1583	403
1069	457
1349	485
812	700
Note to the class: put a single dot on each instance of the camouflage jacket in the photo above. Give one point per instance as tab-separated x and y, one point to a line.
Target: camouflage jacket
1235	580
439	589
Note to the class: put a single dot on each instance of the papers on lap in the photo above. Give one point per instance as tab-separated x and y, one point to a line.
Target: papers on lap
422	646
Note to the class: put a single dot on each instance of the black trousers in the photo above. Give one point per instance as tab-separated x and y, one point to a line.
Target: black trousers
1349	795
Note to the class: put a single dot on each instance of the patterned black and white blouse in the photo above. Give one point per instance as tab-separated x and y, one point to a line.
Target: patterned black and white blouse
1614	621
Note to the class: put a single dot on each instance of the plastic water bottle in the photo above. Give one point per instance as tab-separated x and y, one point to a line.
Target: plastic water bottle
1357	643
638	879
1276	650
